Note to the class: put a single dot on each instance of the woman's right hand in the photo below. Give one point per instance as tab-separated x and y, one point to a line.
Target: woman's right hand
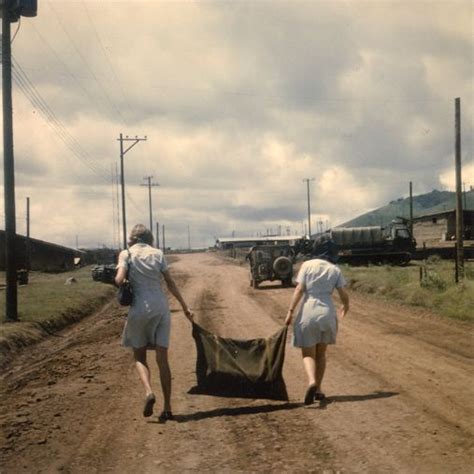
342	312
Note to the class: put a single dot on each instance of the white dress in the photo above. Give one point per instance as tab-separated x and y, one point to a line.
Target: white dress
148	320
316	321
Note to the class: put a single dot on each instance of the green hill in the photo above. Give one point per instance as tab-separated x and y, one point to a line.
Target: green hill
435	201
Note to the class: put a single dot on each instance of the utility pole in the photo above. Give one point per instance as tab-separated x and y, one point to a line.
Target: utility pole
189	238
117	204
11	307
123	151
27	242
11	11
411	208
459	209
157	235
309	204
163	238
150	184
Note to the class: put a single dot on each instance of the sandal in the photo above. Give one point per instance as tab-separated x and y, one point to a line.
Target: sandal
165	416
309	396
148	407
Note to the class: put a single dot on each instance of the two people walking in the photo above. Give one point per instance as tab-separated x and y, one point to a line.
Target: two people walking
148	321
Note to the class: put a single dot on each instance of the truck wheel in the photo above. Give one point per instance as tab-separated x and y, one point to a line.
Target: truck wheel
282	266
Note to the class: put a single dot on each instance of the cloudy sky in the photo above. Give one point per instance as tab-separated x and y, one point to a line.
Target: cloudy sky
240	101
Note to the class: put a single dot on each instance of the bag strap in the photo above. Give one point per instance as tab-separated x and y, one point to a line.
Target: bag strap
129	262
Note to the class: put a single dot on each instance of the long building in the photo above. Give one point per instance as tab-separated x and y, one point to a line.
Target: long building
228	243
44	256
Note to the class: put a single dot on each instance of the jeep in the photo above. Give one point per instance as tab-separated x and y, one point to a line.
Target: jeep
271	262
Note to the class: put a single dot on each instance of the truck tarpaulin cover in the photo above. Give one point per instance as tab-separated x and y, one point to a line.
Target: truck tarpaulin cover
240	368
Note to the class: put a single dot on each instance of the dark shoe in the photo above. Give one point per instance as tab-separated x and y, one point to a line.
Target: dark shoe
165	416
309	396
319	395
149	402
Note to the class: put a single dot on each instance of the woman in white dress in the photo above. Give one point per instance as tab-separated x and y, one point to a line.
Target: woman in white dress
148	320
315	325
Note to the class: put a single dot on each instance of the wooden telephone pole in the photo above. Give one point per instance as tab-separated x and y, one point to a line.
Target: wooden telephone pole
459	209
150	184
309	204
11	309
163	239
134	141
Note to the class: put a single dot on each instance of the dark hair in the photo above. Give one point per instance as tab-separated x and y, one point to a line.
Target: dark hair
325	248
140	234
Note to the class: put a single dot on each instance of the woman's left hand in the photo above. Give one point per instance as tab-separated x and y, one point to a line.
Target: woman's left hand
289	318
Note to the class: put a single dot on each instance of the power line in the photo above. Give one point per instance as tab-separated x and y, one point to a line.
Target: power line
75	77
17	30
79	53
107	56
35	98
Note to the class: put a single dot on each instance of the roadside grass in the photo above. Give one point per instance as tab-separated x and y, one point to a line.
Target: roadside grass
47	304
437	291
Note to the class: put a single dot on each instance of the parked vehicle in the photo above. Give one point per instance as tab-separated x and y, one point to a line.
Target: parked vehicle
375	244
271	262
392	244
104	273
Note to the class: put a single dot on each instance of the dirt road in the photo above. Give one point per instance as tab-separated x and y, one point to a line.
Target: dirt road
400	387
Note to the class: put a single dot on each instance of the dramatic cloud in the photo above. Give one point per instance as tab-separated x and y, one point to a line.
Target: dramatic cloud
240	102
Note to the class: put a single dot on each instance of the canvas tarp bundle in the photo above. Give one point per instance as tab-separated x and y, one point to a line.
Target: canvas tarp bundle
249	368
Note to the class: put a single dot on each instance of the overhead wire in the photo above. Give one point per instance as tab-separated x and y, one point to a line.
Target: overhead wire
107	56
17	30
69	73
114	108
35	98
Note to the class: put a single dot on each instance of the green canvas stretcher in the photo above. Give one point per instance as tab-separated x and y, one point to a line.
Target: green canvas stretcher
249	368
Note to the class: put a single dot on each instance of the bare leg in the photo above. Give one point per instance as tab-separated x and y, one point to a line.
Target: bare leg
320	364
142	368
309	363
165	375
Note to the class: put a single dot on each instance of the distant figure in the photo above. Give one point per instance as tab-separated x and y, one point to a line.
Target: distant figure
148	320
315	325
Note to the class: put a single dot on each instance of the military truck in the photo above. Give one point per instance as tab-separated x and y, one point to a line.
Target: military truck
375	244
270	263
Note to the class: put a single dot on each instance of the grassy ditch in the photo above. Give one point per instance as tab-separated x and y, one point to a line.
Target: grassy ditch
47	304
436	291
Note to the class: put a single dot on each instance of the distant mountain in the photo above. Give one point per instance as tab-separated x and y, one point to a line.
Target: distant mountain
435	201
